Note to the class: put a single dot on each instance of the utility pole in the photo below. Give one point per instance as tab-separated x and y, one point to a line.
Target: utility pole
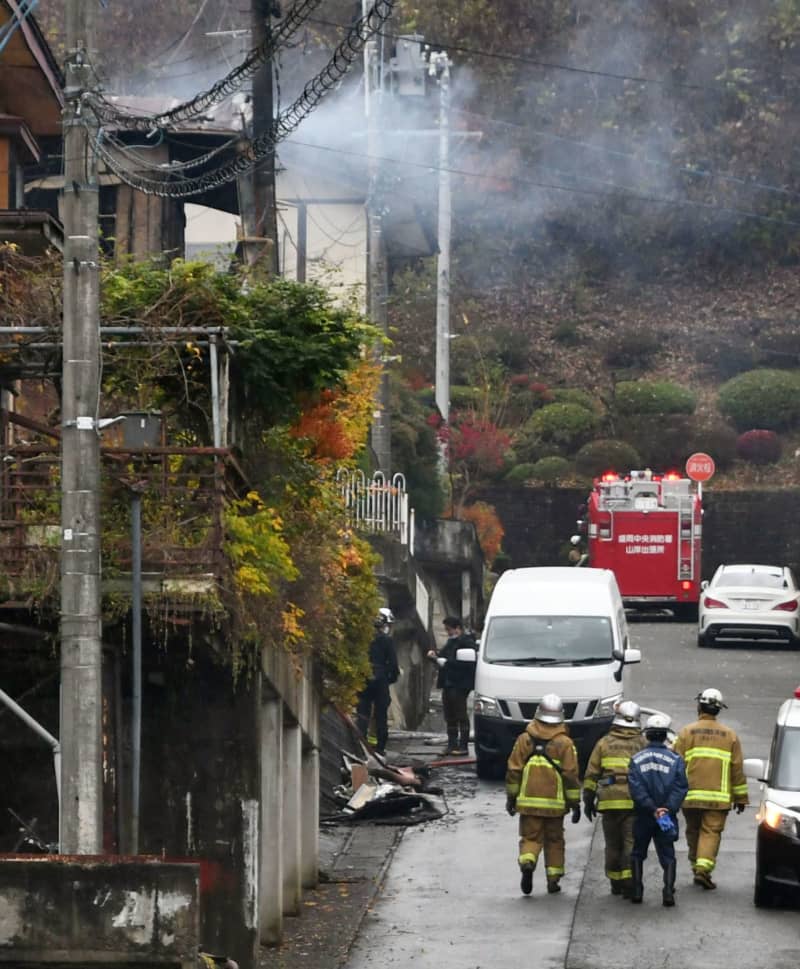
440	66
381	430
81	813
257	189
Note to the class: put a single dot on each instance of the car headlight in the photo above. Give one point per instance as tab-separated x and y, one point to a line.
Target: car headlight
486	706
605	707
775	818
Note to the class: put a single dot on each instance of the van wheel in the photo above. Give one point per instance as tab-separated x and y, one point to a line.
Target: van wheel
486	769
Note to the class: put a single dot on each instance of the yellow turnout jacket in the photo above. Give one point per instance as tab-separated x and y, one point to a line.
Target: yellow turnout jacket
607	771
539	786
714	766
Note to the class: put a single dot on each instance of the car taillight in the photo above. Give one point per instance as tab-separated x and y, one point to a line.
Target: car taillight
710	603
790	606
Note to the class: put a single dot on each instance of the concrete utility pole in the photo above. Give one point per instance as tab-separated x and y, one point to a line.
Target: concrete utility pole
257	200
380	435
81	820
440	66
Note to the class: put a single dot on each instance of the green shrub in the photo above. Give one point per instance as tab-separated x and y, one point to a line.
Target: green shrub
759	447
574	395
521	472
768	399
652	397
568	334
632	347
567	425
662	440
605	454
551	470
465	398
718	440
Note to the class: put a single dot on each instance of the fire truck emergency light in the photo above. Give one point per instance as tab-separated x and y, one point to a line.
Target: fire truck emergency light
672	476
609	476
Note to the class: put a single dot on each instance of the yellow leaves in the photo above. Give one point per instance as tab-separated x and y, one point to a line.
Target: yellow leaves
290	622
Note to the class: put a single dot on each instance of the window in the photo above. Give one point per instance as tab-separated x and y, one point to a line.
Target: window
786	772
548	640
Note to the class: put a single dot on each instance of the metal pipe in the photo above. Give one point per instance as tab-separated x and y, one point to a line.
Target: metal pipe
212	341
45	734
136	716
127	330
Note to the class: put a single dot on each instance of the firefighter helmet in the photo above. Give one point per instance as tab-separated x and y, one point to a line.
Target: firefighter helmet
626	714
550	709
711	701
657	726
385	617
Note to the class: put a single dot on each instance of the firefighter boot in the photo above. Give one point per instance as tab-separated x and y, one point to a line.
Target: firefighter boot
627	888
637	887
526	882
552	886
703	879
616	886
668	893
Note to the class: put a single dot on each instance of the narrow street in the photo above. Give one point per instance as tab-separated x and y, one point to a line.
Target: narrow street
451	896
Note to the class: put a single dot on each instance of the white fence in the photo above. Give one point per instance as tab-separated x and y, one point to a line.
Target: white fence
376	504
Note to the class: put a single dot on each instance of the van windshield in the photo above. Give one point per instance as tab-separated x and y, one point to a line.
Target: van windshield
787	763
548	640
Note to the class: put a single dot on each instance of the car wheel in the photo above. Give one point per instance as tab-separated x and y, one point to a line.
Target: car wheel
486	769
763	894
702	640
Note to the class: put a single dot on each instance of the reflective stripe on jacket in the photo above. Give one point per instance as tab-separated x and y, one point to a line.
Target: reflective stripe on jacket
542	786
607	770
714	765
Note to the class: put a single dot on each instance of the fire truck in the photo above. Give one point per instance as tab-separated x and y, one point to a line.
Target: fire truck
647	528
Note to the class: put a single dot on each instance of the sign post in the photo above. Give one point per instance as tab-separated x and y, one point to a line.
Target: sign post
700	467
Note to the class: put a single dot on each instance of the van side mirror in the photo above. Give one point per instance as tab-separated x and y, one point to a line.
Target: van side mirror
466	654
756	769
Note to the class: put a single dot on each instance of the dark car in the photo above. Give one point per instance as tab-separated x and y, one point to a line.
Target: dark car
778	837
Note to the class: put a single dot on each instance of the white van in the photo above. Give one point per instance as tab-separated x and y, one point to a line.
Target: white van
549	630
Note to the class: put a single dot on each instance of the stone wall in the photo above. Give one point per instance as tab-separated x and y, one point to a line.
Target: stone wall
738	526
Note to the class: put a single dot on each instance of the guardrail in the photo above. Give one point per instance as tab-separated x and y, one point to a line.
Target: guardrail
377	504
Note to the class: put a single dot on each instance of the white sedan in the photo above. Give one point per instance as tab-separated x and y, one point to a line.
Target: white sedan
749	602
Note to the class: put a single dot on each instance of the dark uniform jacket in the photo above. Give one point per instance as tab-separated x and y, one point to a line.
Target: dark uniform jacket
607	770
657	778
456	674
383	658
714	764
542	771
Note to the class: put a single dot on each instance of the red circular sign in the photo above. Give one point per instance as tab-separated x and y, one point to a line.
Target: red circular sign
700	466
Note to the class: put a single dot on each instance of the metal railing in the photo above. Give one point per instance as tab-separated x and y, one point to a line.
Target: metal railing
376	504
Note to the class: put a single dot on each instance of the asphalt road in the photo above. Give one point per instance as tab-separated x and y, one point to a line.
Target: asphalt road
451	898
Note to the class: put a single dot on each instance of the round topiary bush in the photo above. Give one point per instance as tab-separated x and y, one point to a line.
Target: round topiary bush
574	395
568	425
759	447
521	473
769	399
606	455
551	470
718	440
652	397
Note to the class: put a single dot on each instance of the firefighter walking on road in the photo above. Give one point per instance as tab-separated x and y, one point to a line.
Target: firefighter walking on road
717	783
605	791
542	785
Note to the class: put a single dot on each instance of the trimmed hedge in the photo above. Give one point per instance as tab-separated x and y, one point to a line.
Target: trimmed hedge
652	397
551	470
606	454
768	399
569	425
759	447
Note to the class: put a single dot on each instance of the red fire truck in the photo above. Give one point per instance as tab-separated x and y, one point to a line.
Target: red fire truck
647	529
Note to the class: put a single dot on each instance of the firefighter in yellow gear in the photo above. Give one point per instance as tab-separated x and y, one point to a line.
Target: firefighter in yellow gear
605	791
714	766
542	785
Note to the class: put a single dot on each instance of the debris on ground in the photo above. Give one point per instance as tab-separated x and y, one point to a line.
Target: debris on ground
374	790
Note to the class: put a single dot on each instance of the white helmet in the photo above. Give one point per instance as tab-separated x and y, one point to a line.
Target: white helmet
576	540
658	723
711	700
626	714
385	617
550	709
